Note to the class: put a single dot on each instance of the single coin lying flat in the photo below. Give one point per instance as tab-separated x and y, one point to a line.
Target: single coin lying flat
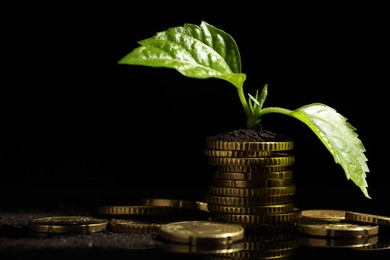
325	214
201	232
328	228
368	218
68	224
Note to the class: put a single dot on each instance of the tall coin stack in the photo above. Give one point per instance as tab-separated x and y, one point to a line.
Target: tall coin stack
252	184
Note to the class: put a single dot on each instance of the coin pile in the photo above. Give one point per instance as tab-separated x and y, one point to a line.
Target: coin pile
149	214
252	184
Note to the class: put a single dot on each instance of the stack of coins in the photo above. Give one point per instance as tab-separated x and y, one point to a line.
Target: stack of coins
252	184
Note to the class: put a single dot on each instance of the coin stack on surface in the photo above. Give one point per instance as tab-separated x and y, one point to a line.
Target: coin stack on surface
252	184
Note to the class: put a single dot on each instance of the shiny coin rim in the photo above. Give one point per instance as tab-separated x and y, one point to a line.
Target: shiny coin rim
367	218
326	214
68	224
139	210
335	229
251	146
192	232
174	203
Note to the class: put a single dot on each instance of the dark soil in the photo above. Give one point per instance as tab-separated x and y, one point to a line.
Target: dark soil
249	135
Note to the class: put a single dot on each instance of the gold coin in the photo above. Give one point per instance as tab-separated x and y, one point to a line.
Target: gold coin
237	154
139	210
327	228
286	160
253	192
253	169
246	201
288	217
368	218
68	224
338	242
266	209
202	206
202	232
133	226
249	176
161	202
137	226
251	183
324	214
250	146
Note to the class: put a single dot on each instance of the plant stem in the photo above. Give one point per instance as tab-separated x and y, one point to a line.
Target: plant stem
244	104
269	110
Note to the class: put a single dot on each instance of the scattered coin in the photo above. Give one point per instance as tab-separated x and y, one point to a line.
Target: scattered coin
327	228
325	214
368	218
68	224
136	226
202	232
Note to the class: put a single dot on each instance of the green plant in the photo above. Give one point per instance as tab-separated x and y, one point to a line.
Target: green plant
208	52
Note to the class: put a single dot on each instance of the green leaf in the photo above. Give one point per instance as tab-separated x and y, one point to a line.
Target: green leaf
340	139
195	51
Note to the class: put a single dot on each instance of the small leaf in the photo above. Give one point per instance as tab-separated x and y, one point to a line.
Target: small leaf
253	99
340	139
196	52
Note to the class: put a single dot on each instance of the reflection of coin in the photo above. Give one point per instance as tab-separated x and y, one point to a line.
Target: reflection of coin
380	245
368	218
201	232
202	248
261	254
354	242
250	146
326	214
327	228
68	224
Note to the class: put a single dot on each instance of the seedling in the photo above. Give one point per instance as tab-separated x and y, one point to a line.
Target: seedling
208	52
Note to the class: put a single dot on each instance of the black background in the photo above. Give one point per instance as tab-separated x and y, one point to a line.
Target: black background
79	129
